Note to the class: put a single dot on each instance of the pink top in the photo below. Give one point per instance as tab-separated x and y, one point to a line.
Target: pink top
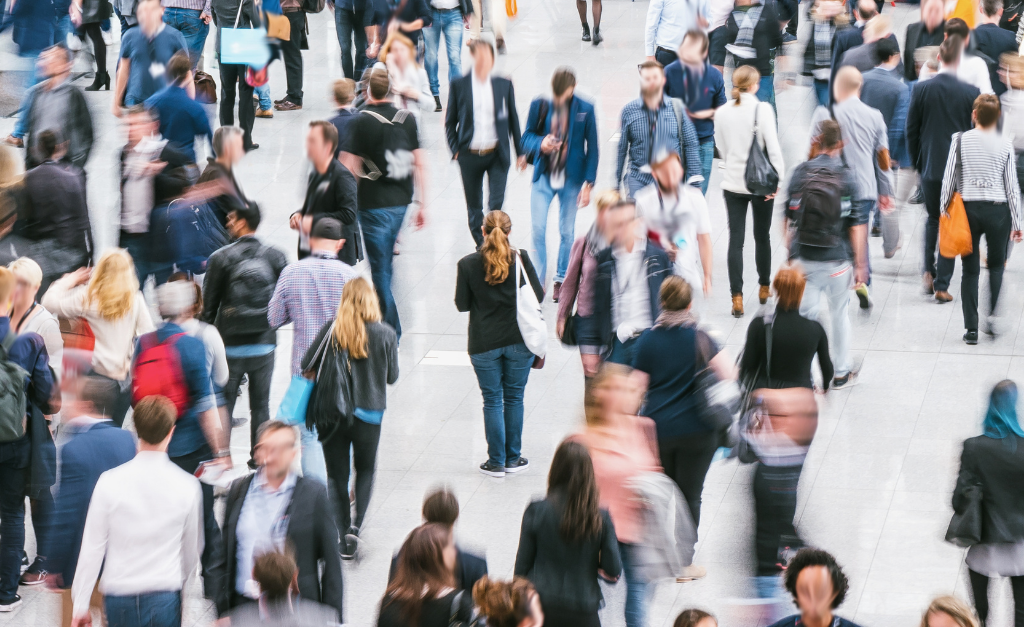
619	453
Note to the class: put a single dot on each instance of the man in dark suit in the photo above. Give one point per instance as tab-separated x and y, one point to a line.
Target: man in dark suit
939	107
930	31
852	37
274	508
480	119
992	41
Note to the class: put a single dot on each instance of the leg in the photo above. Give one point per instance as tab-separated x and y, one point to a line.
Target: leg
979	591
690	458
707	158
261	372
664	57
596	9
42	522
736	212
380	231
497	177
228	85
997	239
821	92
1017	584
14	461
810	304
515	367
431	43
211	561
636	588
487	366
343	25
338	462
839	283
366	438
453	28
581	8
972	269
313	464
160	609
473	184
266	104
99	48
762	210
292	52
943	270
540	201
246	108
359	35
237	368
566	228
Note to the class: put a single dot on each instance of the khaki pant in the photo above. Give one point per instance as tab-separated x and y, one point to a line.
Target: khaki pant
96	602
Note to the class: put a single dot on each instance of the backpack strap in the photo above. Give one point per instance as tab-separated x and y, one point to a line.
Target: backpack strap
380	118
7	343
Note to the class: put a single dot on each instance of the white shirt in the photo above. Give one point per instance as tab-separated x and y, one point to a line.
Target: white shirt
718	13
974	71
734	130
678	219
668	21
137	191
631	303
262	527
485	133
444	4
145	527
415	77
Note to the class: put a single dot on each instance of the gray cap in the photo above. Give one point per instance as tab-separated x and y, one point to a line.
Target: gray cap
327	228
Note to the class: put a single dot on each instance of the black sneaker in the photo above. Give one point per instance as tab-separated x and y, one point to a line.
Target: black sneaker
10	604
597	36
350	544
437	104
846	381
971	337
519	465
492	470
34	574
917	198
876	231
586	31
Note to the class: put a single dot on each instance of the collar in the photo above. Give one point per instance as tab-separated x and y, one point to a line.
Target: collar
945	69
152	457
168	329
159	30
481	83
323	254
260	481
85	421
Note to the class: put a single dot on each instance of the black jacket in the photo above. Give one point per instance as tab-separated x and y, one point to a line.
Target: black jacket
334	194
998	467
469	569
939	108
312	535
657	266
795	342
767	35
458	120
217	297
223	204
919	37
53	207
492	308
844	41
993	42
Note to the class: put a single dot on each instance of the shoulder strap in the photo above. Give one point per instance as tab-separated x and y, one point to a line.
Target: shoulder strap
768	342
959	166
380	118
8	342
456	609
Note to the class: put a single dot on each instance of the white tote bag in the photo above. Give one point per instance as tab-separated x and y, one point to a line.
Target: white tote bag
528	313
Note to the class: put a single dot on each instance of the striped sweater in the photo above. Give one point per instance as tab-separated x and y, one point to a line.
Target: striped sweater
987	172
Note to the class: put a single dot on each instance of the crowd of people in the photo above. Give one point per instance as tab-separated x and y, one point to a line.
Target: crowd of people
144	405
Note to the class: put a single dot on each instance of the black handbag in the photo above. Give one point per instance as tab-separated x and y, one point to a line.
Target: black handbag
331	406
965	526
569	332
760	176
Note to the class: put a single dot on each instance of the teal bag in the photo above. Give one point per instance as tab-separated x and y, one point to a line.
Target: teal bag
244	46
296	399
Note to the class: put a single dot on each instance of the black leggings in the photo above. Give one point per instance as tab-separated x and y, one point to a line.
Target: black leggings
361	439
775	508
98	45
736	208
686	461
979	590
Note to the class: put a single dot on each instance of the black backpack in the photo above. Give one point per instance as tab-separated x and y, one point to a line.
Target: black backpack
820	221
250	287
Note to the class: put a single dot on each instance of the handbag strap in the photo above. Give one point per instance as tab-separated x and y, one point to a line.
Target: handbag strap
768	325
959	167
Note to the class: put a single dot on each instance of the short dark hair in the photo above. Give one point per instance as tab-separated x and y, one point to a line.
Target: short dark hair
274	571
885	48
691	617
272	426
46	144
249	213
344	91
442	507
949	50
991	7
328	131
987	109
379	84
649	63
957	26
563	79
699	35
68	56
675	294
830	135
97	391
178	67
154	418
480	43
816	557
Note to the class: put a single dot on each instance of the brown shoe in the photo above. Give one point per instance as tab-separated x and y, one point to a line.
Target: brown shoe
943	296
737	305
287	105
763	294
17	142
264	113
929	283
554	291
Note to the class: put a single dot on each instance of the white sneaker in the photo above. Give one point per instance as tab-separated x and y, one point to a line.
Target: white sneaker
108	37
691	573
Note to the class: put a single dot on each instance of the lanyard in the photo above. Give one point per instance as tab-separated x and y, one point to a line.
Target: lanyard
24	317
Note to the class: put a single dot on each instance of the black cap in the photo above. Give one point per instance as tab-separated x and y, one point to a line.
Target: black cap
327	228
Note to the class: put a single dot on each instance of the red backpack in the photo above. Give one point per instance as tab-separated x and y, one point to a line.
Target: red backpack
158	372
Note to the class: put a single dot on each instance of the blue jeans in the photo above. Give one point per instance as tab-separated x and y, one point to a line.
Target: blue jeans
313	463
21	126
821	92
380	231
154	609
64	28
349	26
623	353
14	460
264	93
540	202
191	27
450	23
707	157
766	92
636	588
502	375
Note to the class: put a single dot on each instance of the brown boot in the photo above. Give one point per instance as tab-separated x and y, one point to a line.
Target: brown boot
943	296
737	305
763	294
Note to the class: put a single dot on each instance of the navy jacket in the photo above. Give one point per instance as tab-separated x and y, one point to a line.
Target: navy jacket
469	569
341	121
939	108
458	120
93	449
993	42
582	154
182	119
657	266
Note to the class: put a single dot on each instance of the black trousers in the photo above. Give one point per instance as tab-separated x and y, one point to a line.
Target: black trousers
473	168
260	370
664	57
232	77
292	52
775	508
556	617
98	45
212	559
979	590
361	439
993	221
736	208
943	271
686	461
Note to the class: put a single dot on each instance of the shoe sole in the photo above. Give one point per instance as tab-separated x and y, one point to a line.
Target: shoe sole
11	607
493	473
865	302
355	540
849	384
971	342
22	582
737	314
512	471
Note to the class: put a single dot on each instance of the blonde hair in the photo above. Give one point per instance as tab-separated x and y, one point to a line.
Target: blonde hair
745	77
496	251
25	268
606	200
593	408
113	285
359	305
877	27
960	612
393	37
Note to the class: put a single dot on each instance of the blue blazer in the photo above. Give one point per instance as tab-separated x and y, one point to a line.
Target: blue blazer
656	267
91	451
581	157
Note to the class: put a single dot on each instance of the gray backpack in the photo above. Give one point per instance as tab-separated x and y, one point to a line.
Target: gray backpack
13	405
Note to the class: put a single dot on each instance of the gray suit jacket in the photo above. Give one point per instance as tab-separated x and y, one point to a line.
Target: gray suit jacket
299	613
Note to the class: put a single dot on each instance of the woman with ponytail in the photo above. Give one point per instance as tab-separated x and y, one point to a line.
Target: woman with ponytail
508	603
487	287
567	541
372	348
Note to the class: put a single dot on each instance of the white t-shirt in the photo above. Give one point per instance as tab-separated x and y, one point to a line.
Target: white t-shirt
678	220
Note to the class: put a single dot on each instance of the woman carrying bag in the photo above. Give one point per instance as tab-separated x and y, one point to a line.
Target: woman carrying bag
358	342
993	464
745	128
506	337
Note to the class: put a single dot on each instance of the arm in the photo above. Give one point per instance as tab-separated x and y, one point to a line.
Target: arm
571	283
1012	187
531	140
64	300
707	255
593	147
824	362
513	121
949	178
451	119
463	292
392	352
143	321
771	18
527	552
94	547
84	128
121	83
331	581
610	562
41	378
277	310
913	128
691	148
345	193
654	10
882	176
753	349
420	180
213	288
898	129
623	148
219	369
966	478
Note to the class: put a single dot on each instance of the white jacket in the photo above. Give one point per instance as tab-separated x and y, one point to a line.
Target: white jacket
734	131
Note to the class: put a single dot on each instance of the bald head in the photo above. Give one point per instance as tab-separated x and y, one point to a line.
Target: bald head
866	9
848	82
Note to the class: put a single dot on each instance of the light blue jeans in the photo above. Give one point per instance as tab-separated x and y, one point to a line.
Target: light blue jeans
540	202
189	23
313	464
637	588
450	24
264	95
707	157
21	126
502	374
766	93
833	280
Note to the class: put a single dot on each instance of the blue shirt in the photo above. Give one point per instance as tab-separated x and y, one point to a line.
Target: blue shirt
148	59
262	526
698	93
181	119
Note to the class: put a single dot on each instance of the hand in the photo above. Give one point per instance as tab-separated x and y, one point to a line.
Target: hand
223	461
116	108
207	18
702	22
1017	236
671	251
55	582
153	168
606	576
373	49
707	285
651	58
393	26
861	275
79	276
295	221
521	163
82	621
420	219
549	144
885	203
583	200
772	196
455	157
560	327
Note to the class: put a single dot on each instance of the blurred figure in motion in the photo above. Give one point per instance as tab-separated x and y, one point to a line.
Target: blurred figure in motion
225	190
94	446
28	315
568	542
818	585
145	53
58	106
695	618
410	88
994	463
948	611
508	603
145	528
182	119
90	14
279	603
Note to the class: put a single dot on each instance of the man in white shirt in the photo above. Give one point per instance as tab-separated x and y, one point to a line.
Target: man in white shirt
668	21
972	69
145	528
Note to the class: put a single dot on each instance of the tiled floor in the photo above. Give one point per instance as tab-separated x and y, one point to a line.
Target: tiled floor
876	487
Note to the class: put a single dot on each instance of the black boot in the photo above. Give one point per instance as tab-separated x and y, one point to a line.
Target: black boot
102	81
437	104
597	36
586	31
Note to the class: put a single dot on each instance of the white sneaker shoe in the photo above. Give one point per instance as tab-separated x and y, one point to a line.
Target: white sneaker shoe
691	573
108	37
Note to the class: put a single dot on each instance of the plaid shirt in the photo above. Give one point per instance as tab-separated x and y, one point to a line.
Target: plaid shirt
636	140
308	294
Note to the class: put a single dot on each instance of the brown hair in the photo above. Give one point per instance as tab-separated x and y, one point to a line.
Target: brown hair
496	251
442	507
700	36
328	131
649	63
691	617
178	67
421	573
480	43
154	418
949	50
396	36
830	135
991	7
275	572
504	603
675	294
379	84
789	286
344	91
987	110
563	79
957	26
571	480
593	409
745	77
960	612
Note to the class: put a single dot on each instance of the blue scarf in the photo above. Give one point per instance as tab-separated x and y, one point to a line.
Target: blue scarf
1001	417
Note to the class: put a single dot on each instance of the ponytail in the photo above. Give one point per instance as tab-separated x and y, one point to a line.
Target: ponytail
745	77
496	251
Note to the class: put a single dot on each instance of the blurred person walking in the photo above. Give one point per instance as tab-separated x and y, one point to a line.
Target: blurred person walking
949	611
738	124
695	618
353	23
344	94
236	14
109	299
145	528
668	21
930	31
509	603
279	603
863	11
596	8
992	464
410	88
192	19
993	41
448	18
89	16
331	192
973	69
818	586
182	119
368	348
291	53
561	138
862	57
56	105
226	192
568	542
275	509
754	37
487	286
145	53
828	19
28	316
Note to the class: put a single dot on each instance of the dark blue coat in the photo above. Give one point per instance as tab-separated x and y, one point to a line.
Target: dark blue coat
656	265
582	154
